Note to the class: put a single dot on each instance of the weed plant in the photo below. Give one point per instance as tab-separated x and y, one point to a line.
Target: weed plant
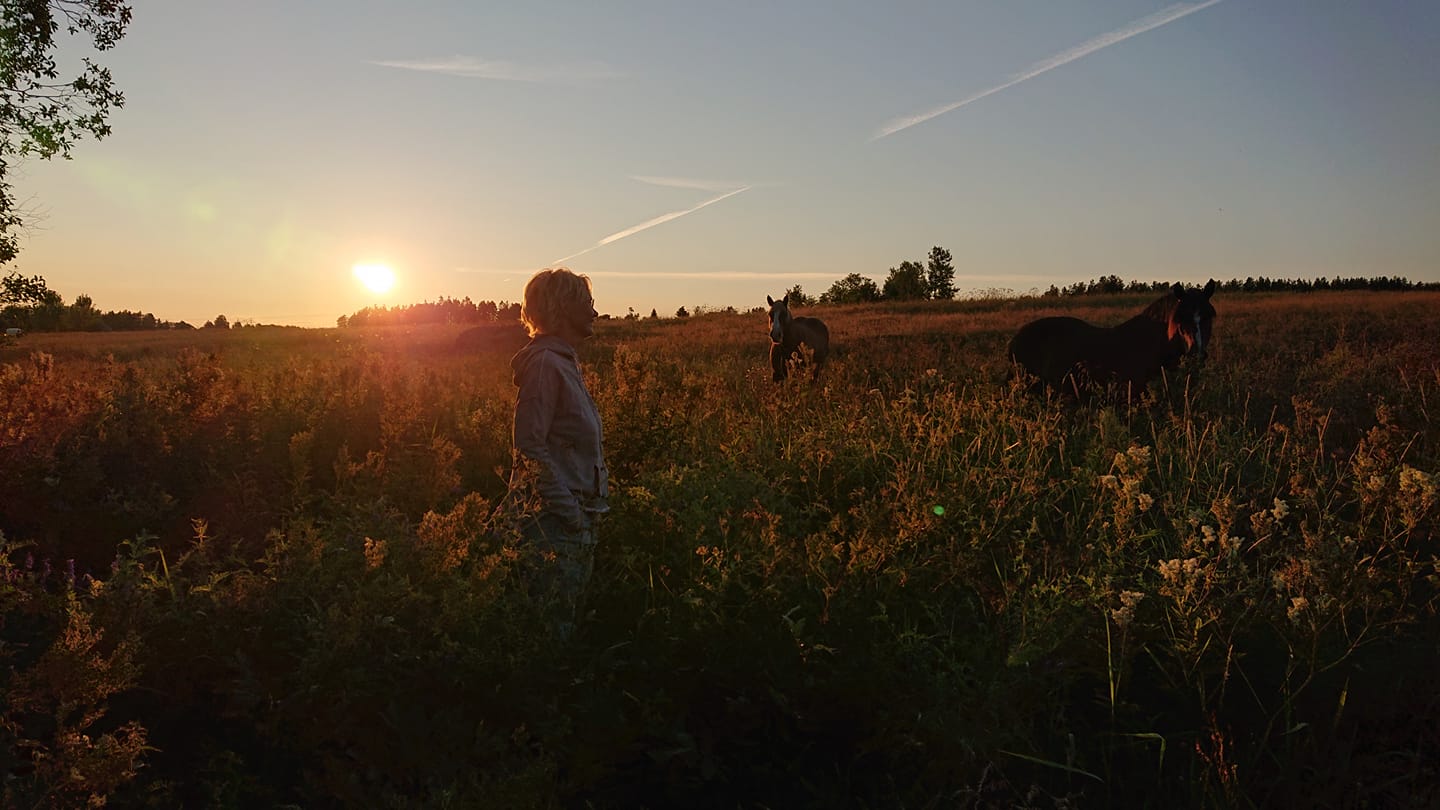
265	568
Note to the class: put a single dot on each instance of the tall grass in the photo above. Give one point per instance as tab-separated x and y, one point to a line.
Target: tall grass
911	584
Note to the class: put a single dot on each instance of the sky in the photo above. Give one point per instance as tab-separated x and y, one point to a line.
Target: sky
706	154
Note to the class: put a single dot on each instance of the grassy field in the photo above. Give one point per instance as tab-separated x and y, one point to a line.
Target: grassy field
259	568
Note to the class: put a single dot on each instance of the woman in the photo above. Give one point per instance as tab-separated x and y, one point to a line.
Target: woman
559	474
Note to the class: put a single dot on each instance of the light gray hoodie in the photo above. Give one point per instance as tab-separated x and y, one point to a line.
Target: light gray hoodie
557	433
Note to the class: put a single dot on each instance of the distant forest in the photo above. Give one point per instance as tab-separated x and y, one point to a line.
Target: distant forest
464	311
1109	285
44	310
51	314
446	310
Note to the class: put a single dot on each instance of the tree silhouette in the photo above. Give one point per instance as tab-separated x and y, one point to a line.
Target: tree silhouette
906	283
853	289
798	297
940	275
41	115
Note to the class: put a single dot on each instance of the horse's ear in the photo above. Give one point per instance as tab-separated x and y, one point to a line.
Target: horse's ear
770	301
1210	288
1177	290
786	299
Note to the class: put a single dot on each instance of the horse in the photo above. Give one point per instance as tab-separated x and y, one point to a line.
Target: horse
788	332
1070	356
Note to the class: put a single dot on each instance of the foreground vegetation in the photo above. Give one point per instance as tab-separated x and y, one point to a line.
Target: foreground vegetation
259	568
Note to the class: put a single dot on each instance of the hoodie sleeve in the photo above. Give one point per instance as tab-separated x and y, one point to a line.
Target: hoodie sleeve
541	384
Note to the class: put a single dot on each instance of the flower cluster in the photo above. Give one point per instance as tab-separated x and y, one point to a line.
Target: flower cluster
1130	469
1125	614
1417	495
374	553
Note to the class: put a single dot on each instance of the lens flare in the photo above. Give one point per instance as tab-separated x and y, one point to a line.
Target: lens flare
377	278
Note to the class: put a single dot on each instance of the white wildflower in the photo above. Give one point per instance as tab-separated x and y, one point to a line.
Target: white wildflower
1170	570
1125	614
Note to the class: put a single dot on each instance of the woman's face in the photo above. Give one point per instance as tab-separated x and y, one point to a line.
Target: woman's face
582	317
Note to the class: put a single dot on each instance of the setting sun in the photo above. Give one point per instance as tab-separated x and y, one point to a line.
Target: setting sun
377	278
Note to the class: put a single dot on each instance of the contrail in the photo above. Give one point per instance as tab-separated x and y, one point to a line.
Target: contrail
1135	28
471	68
660	220
717	275
686	182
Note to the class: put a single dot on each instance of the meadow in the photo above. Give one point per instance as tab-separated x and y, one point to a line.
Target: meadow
261	568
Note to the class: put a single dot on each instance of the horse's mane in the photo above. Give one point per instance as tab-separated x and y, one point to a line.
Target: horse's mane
1162	308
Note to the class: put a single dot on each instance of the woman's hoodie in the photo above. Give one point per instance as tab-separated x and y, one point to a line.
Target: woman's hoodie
557	433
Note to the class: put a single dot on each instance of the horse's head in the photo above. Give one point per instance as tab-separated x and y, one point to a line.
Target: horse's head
779	316
1192	318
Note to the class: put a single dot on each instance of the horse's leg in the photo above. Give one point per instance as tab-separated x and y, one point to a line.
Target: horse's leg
820	354
778	357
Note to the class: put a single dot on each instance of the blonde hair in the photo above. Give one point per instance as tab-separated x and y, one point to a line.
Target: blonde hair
549	295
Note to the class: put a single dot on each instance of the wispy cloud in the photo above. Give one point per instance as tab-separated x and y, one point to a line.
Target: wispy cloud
1140	26
496	271
500	70
714	275
686	182
646	225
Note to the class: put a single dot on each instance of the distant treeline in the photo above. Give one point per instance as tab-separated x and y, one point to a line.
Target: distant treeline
1110	285
52	314
29	305
446	310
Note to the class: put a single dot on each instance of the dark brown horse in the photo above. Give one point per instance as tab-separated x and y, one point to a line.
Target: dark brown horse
1072	356
787	333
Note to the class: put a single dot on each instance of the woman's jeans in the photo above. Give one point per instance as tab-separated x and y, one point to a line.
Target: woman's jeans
564	560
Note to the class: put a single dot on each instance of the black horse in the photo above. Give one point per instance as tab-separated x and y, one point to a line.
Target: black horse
788	332
1072	356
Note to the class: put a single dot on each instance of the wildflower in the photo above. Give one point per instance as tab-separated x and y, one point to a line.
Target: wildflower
374	553
1207	534
1297	609
1281	509
1417	495
1125	614
1170	571
1109	481
1417	481
1144	501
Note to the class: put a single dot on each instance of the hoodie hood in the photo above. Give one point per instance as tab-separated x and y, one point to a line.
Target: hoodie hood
537	346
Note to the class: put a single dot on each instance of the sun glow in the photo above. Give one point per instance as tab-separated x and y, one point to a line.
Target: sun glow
377	278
